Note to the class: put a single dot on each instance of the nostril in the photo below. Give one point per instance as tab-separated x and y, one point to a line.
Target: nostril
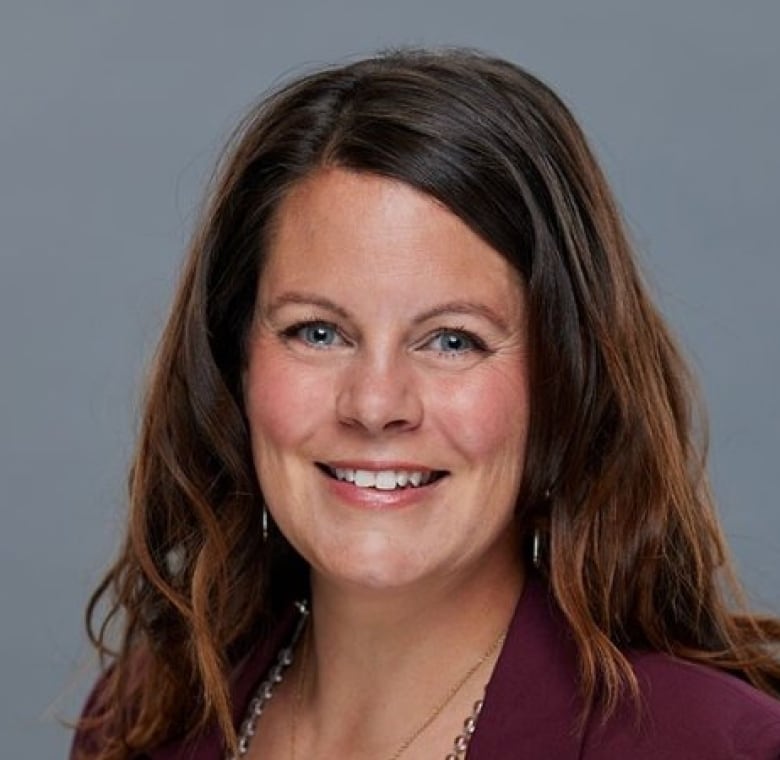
379	402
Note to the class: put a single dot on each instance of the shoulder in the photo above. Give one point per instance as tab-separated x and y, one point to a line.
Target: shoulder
690	710
687	711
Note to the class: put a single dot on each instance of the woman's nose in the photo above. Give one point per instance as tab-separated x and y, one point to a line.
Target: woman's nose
379	395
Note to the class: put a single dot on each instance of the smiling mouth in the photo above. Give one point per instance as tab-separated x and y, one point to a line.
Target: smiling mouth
383	480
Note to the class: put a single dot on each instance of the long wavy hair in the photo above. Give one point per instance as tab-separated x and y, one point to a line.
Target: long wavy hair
615	466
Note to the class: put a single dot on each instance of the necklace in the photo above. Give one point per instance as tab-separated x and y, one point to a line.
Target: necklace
285	658
461	743
266	689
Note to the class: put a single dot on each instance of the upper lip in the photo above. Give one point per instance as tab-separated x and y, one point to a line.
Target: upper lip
378	465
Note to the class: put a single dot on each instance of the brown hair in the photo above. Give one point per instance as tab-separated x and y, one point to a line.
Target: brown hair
614	474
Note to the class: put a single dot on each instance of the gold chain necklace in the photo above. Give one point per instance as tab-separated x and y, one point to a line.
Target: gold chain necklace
461	742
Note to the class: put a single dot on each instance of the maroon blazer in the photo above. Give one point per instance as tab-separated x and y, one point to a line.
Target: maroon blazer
690	712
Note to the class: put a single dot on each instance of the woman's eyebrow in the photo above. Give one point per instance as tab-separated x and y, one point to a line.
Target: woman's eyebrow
307	299
471	308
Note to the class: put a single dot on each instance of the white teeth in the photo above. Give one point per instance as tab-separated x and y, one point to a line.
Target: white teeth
364	478
383	480
344	474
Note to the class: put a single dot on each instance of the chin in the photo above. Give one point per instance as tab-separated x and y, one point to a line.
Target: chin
372	565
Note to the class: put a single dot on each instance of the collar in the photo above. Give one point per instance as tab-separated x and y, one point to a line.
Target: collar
531	704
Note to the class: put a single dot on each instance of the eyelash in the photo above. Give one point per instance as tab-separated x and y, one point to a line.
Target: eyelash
293	331
476	344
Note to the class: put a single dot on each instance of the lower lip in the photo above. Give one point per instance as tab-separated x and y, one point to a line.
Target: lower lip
375	498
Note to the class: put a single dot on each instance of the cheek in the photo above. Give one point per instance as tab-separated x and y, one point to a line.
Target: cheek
285	403
487	416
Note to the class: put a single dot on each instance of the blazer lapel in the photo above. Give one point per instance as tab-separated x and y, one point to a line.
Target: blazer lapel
531	706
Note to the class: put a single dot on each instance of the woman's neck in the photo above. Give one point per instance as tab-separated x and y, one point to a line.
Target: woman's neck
378	662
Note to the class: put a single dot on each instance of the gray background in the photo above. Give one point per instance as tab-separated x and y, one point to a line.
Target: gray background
112	114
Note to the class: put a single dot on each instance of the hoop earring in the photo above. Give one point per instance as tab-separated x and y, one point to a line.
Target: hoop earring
536	548
264	519
537	538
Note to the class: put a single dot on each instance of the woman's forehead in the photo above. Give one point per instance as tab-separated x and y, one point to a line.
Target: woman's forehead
340	230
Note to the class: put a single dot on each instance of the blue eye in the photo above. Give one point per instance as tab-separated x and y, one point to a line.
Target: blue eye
317	334
455	342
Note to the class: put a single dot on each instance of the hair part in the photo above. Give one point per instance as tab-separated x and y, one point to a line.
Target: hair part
635	553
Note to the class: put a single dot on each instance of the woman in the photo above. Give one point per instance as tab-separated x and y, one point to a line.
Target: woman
418	473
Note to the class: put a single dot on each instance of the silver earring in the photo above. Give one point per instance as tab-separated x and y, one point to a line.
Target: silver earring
536	547
265	523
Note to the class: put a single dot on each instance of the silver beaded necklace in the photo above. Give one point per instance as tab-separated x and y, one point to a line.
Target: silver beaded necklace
275	676
266	689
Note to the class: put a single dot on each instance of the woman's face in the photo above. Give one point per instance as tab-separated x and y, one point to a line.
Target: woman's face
387	386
